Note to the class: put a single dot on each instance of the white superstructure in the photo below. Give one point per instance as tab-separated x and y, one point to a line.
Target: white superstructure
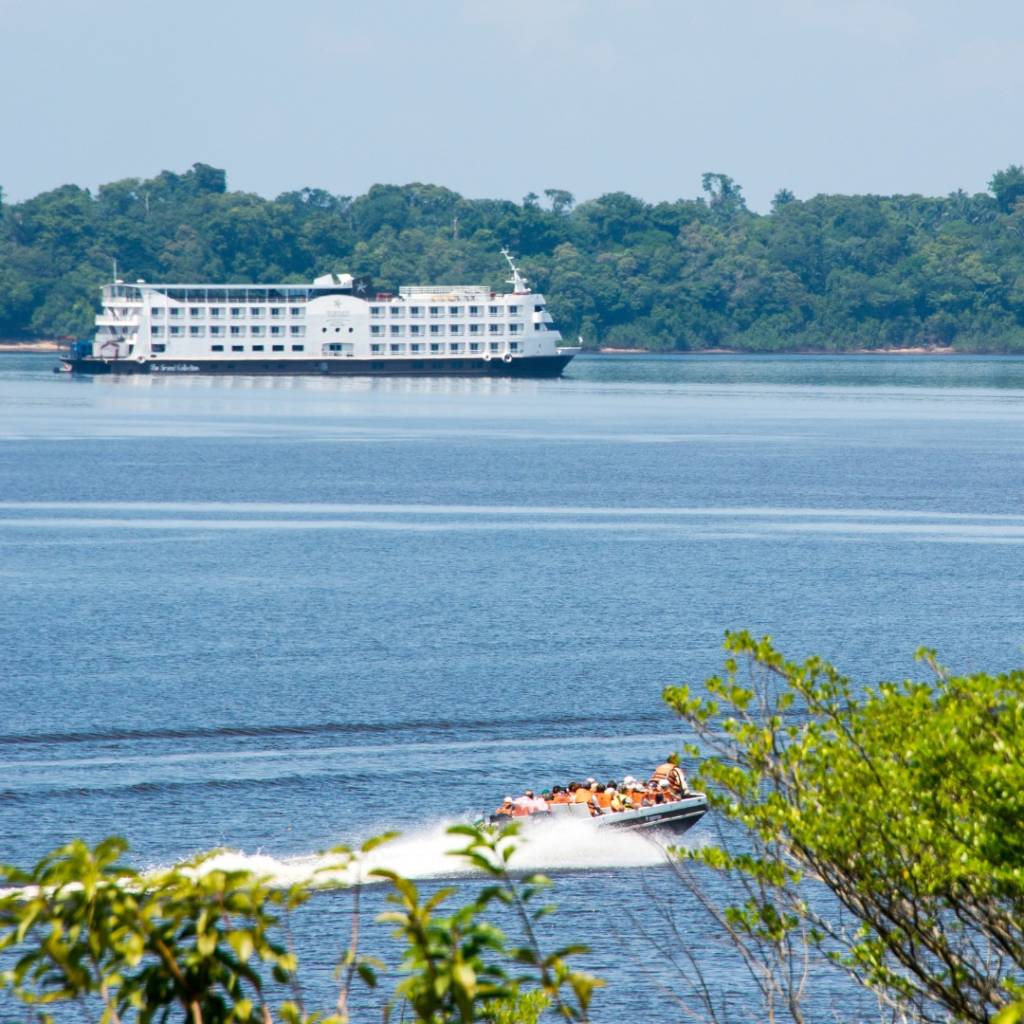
333	321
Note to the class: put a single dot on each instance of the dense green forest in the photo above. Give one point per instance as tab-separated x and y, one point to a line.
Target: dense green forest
831	272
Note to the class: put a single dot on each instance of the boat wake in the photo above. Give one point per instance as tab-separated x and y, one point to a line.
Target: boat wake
427	853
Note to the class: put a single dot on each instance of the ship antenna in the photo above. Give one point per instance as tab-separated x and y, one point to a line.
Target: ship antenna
517	280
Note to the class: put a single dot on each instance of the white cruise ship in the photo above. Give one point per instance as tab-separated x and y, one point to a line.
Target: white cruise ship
336	325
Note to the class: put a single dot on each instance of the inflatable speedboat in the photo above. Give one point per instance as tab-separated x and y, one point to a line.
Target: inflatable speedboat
676	816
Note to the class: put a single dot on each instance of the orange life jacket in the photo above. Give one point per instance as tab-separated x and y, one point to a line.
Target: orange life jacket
582	796
604	799
672	773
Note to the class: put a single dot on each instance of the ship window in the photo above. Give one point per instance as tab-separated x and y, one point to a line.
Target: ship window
540	327
474	346
376	329
455	346
195	312
397	311
175	331
237	332
496	328
376	366
237	312
376	348
276	331
237	348
457	364
513	310
156	331
417	364
416	348
216	332
396	350
296	331
514	328
416	330
437	328
494	310
397	330
513	346
277	348
174	311
474	310
216	348
298	348
539	308
157	311
436	311
495	346
197	331
257	348
216	312
455	310
276	311
475	328
295	310
414	311
455	329
255	311
159	348
376	311
435	347
257	331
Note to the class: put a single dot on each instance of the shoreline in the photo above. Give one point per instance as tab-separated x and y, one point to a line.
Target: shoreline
42	345
910	350
49	345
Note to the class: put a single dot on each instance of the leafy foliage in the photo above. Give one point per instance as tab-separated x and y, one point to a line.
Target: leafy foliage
830	272
205	945
900	807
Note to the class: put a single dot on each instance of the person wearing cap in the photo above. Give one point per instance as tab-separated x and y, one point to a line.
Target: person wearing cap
538	805
506	806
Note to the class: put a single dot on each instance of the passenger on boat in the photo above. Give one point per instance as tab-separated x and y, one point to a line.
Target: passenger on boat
582	795
559	795
522	806
670	772
506	806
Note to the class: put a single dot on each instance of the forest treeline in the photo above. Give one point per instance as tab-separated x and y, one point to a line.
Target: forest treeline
832	272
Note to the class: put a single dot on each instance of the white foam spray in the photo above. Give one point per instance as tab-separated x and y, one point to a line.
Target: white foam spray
427	853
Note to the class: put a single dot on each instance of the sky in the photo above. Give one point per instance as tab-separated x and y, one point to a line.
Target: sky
501	99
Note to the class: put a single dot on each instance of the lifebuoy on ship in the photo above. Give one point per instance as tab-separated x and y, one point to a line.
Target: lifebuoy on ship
507	357
486	357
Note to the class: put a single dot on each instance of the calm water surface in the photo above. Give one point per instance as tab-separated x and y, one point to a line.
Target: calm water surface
278	615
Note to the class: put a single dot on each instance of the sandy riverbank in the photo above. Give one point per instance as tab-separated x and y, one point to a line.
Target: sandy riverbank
910	350
42	345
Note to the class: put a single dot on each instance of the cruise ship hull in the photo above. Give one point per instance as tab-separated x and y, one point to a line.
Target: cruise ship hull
520	366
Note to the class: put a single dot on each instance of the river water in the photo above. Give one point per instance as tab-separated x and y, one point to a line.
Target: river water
277	615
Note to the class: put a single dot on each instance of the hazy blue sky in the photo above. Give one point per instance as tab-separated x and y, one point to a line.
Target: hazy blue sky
500	99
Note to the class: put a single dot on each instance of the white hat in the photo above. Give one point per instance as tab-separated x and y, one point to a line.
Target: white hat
663	783
629	780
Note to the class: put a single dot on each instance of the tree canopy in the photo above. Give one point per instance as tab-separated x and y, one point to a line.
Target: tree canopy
830	273
880	825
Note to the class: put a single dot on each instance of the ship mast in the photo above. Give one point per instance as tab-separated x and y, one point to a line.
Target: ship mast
518	282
